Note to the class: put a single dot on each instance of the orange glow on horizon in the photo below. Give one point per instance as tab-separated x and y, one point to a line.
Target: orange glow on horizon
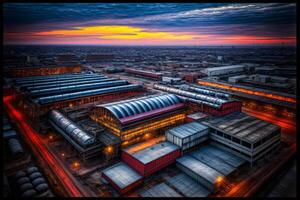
130	35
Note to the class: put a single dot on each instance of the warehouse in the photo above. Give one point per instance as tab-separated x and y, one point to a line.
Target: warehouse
37	95
143	73
122	177
216	71
248	137
220	154
215	103
133	118
160	190
87	144
213	162
188	135
151	159
43	71
200	172
187	186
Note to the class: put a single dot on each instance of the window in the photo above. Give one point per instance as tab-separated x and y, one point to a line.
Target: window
219	133
257	144
236	140
227	136
246	144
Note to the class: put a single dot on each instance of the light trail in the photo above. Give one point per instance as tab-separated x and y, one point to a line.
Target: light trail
248	91
287	126
35	139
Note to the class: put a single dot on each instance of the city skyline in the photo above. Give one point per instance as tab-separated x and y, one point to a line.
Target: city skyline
157	24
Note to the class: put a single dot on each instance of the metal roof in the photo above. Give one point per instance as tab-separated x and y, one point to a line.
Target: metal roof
187	186
57	78
69	127
9	133
226	156
50	76
70	82
187	130
80	94
60	81
6	127
73	88
122	175
135	107
242	126
202	98
154	152
160	190
199	168
224	67
214	162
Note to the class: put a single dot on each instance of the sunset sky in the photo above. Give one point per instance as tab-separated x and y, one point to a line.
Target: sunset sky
150	24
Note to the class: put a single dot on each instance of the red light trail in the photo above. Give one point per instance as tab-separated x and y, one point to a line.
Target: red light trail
36	140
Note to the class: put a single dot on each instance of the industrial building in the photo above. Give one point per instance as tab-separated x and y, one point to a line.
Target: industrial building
160	190
215	103
258	100
246	136
188	135
210	166
200	172
87	144
43	71
143	73
37	95
131	119
122	177
151	159
224	70
187	186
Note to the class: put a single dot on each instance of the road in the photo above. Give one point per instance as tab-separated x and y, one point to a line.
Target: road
36	142
248	187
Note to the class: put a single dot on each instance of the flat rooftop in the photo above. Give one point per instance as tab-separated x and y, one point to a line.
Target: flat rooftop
214	162
154	152
199	168
224	67
122	175
187	186
189	129
197	116
242	126
160	190
221	154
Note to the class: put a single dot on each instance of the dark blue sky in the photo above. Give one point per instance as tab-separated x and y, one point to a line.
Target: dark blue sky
274	21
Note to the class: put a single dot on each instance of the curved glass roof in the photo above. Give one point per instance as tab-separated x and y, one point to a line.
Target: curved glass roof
138	106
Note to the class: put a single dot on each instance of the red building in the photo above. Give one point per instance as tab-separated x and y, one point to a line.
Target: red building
151	159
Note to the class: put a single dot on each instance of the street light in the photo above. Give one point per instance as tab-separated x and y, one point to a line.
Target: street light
109	149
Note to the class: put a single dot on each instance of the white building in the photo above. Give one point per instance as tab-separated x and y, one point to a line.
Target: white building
215	71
